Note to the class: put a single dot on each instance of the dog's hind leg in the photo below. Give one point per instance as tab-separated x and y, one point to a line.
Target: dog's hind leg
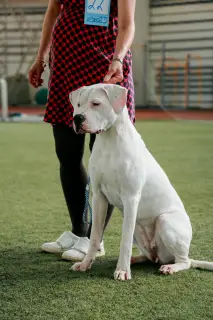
139	259
173	237
142	256
142	238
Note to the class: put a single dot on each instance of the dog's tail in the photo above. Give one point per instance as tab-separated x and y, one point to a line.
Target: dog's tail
201	264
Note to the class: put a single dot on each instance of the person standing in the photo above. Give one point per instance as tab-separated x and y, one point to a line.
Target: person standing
84	49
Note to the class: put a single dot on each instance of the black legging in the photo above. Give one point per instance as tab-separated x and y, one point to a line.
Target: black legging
70	150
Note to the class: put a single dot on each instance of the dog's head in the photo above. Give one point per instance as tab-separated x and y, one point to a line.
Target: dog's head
97	107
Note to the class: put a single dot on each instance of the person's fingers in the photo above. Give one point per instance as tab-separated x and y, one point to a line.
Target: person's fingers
115	79
109	75
120	77
32	78
38	76
41	82
34	75
112	81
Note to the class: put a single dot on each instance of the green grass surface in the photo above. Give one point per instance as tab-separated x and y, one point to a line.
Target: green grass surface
35	285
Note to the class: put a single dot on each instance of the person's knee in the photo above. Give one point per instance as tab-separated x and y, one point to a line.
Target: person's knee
68	157
69	147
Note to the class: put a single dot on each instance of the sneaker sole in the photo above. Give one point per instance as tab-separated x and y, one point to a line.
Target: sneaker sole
98	255
55	252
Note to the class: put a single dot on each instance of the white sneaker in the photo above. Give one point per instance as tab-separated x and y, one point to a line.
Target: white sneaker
65	242
80	249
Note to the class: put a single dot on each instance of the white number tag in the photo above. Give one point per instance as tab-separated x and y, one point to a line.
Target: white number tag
97	12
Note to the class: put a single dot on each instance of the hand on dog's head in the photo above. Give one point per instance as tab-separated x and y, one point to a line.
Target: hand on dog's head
97	107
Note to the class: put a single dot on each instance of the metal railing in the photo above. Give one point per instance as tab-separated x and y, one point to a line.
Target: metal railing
167	67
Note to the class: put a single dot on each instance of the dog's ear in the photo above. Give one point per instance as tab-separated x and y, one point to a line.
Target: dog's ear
75	95
117	96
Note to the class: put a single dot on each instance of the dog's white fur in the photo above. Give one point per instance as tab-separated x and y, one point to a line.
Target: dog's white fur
125	174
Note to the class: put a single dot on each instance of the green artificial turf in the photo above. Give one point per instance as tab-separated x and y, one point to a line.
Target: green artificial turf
35	285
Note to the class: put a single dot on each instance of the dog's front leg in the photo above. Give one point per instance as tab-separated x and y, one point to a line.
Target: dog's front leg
99	211
123	271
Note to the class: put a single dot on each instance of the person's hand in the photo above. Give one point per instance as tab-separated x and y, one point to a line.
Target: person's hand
115	73
35	73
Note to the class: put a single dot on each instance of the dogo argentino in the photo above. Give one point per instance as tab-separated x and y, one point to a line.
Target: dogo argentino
125	174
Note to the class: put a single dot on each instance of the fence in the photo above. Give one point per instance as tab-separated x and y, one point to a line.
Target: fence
181	51
189	84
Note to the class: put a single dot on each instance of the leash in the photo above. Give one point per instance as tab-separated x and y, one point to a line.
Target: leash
87	207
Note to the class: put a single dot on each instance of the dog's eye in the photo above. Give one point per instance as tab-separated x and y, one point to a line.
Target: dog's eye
96	104
78	105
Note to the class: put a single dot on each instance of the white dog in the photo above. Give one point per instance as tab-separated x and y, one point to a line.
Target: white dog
125	174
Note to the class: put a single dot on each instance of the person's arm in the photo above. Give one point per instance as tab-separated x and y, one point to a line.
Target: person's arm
126	32
51	15
38	66
126	27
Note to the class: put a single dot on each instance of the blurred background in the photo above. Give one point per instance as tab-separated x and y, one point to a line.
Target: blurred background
172	50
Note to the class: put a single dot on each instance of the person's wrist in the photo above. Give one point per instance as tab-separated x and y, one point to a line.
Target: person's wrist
41	60
117	59
40	57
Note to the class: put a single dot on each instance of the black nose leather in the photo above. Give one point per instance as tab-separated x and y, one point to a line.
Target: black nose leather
78	120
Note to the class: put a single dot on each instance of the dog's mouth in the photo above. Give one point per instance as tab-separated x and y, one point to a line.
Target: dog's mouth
79	130
79	123
84	129
81	126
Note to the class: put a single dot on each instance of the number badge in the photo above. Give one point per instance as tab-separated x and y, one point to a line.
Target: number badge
97	12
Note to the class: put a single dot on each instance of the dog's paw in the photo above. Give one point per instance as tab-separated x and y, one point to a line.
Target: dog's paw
122	275
81	266
167	269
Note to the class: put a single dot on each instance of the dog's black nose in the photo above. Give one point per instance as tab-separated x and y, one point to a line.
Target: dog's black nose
78	120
